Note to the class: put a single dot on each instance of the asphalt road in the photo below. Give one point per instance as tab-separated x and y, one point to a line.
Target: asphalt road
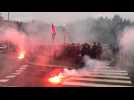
26	76
34	76
14	74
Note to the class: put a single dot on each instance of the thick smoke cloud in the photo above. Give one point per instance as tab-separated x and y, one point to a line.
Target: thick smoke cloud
80	31
16	37
34	34
126	41
91	65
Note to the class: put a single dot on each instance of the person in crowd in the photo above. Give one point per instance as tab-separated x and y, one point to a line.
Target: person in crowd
98	50
94	50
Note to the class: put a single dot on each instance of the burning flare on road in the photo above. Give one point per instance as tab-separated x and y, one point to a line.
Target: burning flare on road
21	55
56	79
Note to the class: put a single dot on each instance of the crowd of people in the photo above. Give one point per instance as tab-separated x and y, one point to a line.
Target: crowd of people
75	51
93	50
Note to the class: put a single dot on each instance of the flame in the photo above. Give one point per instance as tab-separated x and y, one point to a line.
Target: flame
56	79
21	55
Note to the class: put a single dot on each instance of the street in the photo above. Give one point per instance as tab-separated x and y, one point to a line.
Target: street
28	75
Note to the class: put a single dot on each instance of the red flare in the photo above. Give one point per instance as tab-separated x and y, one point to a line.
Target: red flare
21	55
56	79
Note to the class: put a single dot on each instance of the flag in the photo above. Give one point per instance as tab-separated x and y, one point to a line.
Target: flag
53	31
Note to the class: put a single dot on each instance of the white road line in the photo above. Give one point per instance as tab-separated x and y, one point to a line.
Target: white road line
22	68
19	70
79	84
111	70
11	76
16	73
98	80
104	76
107	73
3	80
50	65
25	65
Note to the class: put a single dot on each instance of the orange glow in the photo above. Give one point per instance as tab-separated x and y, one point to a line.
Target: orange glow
56	79
21	55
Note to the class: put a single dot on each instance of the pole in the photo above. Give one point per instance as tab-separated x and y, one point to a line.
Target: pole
8	16
64	38
53	43
8	42
52	50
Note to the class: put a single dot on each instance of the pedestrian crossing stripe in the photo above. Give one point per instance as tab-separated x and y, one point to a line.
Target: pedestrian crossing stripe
23	67
99	80
3	80
79	84
104	76
11	76
111	70
107	73
16	73
20	70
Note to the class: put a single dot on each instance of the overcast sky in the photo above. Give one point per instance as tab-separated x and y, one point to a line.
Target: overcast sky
61	18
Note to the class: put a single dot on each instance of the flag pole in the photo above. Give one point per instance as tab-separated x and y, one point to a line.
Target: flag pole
53	41
8	16
64	35
64	38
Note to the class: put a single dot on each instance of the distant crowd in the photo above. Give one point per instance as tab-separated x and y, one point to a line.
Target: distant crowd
75	52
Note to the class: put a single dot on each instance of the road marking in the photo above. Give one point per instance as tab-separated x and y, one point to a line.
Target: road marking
50	65
11	76
19	70
104	76
101	77
107	73
111	70
79	84
3	80
22	68
16	73
99	80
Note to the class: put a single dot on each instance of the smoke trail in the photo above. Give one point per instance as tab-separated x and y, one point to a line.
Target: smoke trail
90	66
